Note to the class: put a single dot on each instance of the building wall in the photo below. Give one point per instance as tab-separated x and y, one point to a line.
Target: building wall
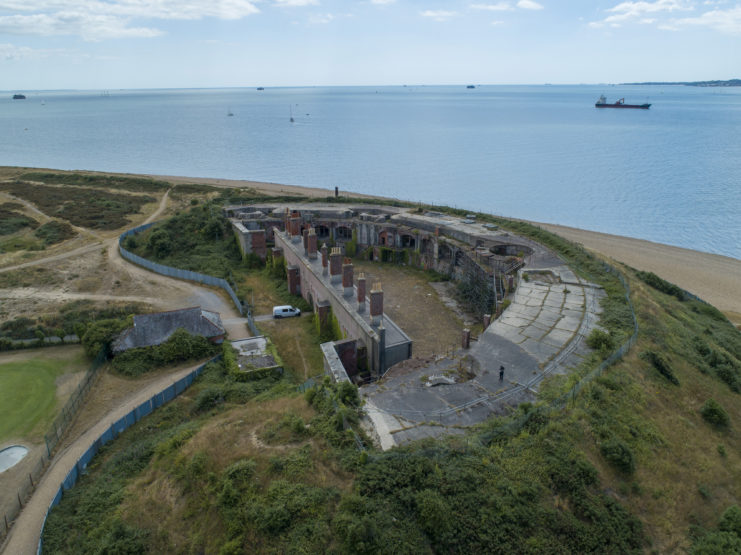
315	290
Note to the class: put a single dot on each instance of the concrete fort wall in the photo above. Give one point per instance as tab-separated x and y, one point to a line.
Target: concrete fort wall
315	291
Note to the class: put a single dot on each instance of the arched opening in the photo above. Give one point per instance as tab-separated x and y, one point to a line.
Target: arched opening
408	241
343	233
322	232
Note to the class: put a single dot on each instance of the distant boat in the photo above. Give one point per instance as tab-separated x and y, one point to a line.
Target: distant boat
602	103
260	88
470	86
19	97
229	112
290	110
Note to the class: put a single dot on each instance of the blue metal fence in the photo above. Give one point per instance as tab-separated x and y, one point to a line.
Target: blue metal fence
157	400
175	272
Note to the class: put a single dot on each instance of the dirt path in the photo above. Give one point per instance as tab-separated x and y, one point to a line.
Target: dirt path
81	250
24	535
61	295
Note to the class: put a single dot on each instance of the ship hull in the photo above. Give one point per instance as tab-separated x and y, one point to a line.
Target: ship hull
634	106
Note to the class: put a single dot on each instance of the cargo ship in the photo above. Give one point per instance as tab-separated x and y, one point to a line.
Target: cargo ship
19	97
602	103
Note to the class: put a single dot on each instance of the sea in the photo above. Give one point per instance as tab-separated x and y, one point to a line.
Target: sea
670	174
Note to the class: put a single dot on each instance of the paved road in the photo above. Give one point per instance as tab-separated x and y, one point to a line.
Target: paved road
24	535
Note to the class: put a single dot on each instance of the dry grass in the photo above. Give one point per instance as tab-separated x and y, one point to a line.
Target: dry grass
415	306
681	477
298	345
166	505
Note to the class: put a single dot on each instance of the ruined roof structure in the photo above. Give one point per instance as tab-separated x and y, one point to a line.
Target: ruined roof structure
154	329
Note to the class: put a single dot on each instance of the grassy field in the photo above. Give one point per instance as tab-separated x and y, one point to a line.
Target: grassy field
29	388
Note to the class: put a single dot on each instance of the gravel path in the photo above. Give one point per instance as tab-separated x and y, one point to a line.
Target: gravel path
24	535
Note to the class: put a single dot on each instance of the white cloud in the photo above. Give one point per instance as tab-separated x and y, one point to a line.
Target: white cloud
10	52
296	3
91	27
639	11
529	5
438	15
725	21
498	7
319	19
98	19
382	2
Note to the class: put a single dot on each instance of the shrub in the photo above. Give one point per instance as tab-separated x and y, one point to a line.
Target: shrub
99	334
660	363
661	285
730	521
618	455
54	232
600	340
715	414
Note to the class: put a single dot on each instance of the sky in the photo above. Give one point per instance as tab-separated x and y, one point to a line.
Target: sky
114	44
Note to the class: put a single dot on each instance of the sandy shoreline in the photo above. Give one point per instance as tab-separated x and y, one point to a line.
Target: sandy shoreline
712	277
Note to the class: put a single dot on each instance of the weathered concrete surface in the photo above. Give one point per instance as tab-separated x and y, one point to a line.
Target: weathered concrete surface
541	333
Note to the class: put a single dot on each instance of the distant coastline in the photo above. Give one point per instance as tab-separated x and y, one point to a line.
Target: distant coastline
726	83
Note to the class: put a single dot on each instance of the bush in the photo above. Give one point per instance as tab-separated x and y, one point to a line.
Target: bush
600	340
54	232
715	414
100	334
618	455
660	363
661	285
730	521
180	346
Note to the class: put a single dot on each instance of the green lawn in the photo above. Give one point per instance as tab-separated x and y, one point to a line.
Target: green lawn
28	389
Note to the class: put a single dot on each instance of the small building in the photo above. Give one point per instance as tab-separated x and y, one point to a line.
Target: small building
156	328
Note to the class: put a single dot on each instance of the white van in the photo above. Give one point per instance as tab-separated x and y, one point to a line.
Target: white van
285	311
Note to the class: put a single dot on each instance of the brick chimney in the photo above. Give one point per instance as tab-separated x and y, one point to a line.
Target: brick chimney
335	265
311	243
376	303
295	227
305	235
324	259
347	276
361	292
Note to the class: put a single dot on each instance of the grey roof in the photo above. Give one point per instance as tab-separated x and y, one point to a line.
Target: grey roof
153	329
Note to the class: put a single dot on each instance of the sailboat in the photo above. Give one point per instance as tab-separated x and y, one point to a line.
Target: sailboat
290	110
229	112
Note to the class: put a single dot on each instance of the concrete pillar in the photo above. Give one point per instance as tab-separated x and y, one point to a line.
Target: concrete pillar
311	244
376	303
325	262
322	312
361	292
294	280
305	235
487	320
466	339
347	277
335	265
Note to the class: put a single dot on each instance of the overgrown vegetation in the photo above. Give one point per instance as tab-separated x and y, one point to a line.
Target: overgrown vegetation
91	208
54	232
137	184
12	221
200	240
73	318
181	346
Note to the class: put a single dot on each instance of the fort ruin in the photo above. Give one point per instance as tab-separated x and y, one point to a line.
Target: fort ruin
550	310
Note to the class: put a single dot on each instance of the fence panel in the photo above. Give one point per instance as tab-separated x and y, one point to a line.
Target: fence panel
144	409
71	479
176	272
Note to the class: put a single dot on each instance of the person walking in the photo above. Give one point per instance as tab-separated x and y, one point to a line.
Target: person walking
501	373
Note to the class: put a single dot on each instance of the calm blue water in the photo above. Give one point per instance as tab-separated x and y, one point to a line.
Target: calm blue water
671	174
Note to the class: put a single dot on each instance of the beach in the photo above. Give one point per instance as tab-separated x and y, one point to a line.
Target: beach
714	278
